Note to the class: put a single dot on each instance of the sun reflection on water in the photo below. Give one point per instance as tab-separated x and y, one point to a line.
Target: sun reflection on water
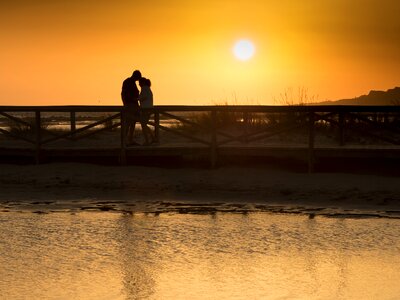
178	256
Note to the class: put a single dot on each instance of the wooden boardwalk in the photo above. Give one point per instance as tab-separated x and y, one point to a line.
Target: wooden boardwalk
213	132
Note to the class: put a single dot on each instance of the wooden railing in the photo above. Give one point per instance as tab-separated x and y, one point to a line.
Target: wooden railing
275	120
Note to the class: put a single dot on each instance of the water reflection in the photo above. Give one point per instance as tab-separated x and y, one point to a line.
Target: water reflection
178	256
133	252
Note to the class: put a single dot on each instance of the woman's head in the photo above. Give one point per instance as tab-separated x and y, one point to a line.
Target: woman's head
144	82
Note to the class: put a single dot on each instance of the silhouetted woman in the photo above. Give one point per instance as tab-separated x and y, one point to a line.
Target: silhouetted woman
146	103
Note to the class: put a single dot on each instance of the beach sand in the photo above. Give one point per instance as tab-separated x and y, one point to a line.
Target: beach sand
75	187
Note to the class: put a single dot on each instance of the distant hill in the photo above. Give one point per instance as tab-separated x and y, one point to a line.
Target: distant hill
389	97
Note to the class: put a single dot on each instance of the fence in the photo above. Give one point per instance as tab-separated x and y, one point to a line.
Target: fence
210	127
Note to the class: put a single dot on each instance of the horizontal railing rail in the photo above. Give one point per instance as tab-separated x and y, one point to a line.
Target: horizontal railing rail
227	108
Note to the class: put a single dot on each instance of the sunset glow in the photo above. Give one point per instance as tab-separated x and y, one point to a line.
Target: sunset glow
79	52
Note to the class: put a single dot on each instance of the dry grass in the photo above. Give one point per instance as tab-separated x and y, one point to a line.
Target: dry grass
25	128
290	97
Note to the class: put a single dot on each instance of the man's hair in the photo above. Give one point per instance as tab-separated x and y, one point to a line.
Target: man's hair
136	74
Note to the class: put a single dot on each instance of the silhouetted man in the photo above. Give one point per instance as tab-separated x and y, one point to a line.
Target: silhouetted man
130	99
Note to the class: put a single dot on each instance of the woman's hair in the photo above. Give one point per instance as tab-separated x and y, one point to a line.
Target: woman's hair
144	82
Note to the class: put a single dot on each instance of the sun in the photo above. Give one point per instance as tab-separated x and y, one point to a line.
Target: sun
243	49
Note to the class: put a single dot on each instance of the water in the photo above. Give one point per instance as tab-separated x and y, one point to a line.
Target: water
103	255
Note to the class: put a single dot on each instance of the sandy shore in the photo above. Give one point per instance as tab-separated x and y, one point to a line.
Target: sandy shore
77	187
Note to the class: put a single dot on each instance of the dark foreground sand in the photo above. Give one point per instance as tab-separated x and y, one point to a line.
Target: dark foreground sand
76	187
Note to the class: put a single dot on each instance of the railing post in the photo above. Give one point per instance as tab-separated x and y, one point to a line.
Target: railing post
213	150
311	138
341	128
73	123
157	126
123	138
38	137
246	126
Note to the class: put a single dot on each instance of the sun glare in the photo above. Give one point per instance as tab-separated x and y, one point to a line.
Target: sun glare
243	49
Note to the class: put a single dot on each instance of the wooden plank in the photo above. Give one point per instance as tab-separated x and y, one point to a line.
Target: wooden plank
73	123
15	119
311	138
279	151
266	132
18	137
376	124
213	142
183	120
341	128
123	138
368	133
96	131
246	126
205	129
68	134
156	127
64	108
281	130
292	108
189	137
38	135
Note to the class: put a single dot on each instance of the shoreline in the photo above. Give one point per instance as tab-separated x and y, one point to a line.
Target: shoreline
75	187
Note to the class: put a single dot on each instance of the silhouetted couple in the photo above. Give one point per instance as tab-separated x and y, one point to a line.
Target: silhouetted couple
136	107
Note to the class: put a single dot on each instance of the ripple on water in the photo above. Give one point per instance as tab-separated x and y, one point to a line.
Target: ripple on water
186	256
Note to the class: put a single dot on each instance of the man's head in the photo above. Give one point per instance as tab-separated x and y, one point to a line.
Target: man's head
136	75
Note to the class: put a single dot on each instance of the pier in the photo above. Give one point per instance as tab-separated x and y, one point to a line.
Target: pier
308	133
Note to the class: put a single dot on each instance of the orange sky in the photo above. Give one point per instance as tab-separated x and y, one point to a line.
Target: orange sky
79	52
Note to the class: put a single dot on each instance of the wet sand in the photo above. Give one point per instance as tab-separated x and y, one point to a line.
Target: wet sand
75	187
